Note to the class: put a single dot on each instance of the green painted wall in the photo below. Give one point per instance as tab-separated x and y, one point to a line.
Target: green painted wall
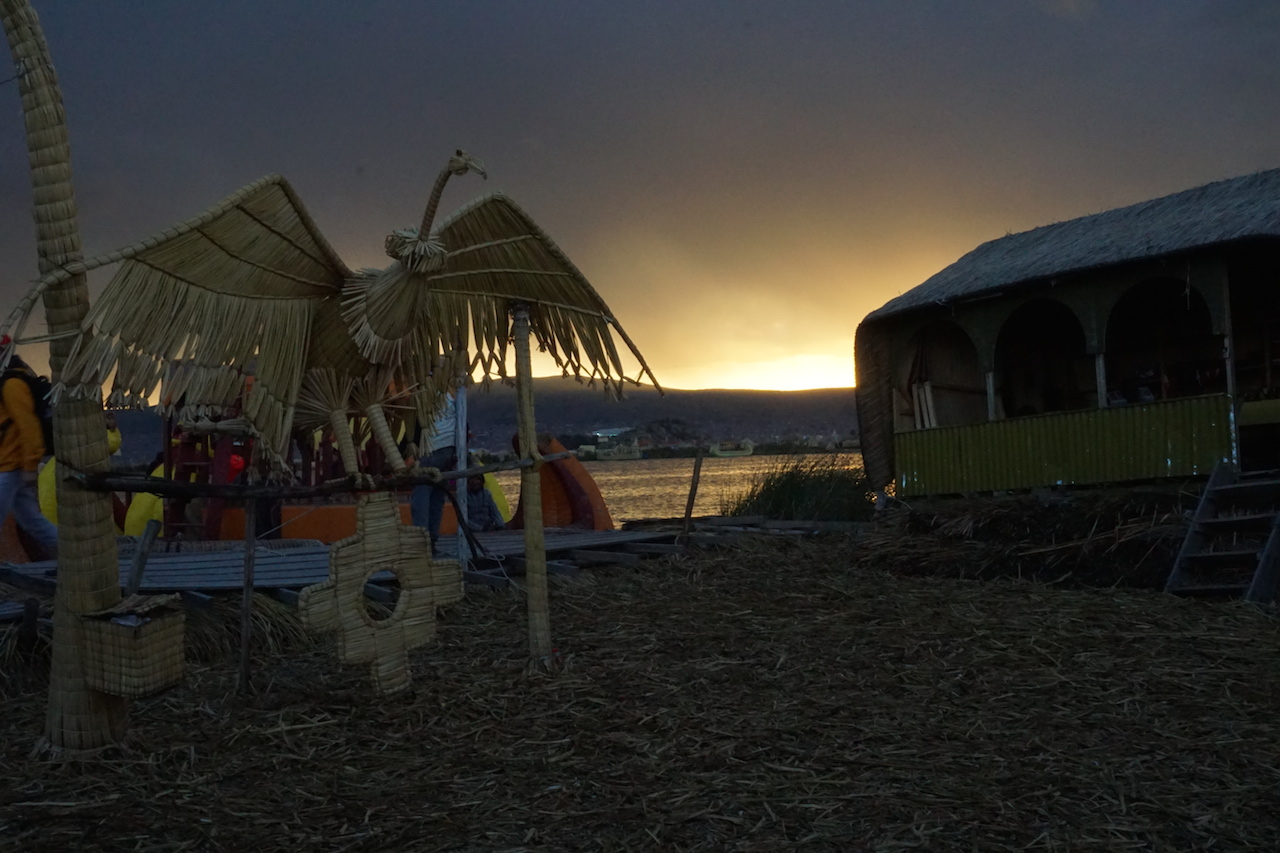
1173	438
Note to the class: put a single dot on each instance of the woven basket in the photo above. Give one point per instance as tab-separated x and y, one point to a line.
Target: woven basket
133	660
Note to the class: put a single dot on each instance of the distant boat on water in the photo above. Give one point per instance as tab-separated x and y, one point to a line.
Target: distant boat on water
733	448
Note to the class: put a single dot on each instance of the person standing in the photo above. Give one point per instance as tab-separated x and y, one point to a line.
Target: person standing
438	447
21	449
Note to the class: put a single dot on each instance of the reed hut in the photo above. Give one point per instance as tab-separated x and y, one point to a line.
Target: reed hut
1135	344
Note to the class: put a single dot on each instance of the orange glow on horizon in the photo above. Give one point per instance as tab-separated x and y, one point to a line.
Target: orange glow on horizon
791	373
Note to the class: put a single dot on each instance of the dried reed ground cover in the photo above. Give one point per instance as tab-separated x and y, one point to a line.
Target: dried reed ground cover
776	697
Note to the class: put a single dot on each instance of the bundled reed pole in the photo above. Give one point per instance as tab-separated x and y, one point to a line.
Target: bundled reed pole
88	575
246	598
535	552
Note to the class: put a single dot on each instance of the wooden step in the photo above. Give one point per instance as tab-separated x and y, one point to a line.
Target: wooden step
1247	490
1224	559
1206	589
1234	523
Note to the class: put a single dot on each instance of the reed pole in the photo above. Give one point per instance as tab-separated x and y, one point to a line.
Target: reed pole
535	552
464	461
247	587
78	718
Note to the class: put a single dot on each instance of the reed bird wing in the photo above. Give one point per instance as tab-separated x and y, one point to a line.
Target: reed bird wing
497	257
215	311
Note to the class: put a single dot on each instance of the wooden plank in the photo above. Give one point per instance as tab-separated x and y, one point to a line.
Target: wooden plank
32	583
820	526
485	578
286	596
1248	490
196	600
715	540
653	548
1233	523
1224	558
382	594
1211	589
731	520
515	566
140	555
582	555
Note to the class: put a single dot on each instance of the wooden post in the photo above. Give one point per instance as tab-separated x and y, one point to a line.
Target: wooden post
1100	376
246	599
145	544
464	461
1229	364
693	492
535	553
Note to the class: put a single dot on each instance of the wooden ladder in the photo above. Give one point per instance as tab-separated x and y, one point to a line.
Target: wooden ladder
1233	545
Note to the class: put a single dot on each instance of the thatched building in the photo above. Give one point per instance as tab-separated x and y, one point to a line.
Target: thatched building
1134	344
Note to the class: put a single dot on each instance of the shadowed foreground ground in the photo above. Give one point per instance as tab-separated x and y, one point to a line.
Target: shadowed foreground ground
772	698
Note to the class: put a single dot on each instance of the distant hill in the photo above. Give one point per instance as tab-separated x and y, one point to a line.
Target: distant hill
565	407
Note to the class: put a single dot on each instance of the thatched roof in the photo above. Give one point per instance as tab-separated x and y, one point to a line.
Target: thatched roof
1220	212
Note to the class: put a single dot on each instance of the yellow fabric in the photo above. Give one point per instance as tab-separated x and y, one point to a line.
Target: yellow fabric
143	508
499	497
22	445
47	485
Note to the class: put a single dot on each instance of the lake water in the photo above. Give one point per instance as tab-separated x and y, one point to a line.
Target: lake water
659	488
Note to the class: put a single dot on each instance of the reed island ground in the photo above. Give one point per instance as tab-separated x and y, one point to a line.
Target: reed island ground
815	693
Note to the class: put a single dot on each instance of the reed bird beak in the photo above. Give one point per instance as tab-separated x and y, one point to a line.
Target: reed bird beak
461	163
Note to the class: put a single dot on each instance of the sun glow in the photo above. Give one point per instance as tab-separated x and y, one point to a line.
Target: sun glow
790	373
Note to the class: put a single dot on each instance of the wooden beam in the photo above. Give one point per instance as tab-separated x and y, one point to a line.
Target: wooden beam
286	596
653	548
731	520
379	593
581	555
714	540
232	491
193	600
485	578
516	567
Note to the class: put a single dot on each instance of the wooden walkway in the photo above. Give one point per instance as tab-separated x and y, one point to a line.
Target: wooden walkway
293	564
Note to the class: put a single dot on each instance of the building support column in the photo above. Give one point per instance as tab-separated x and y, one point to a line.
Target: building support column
1100	376
991	395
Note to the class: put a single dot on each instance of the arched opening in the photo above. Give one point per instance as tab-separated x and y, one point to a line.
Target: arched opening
941	382
1161	345
1041	362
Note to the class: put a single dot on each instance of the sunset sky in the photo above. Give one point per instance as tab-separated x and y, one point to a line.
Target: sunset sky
741	181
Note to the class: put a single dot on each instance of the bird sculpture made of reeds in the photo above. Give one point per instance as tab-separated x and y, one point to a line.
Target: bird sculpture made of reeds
247	308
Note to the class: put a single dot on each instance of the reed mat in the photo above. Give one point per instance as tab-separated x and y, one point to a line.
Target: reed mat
776	697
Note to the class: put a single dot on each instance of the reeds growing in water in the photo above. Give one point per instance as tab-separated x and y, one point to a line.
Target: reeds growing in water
806	488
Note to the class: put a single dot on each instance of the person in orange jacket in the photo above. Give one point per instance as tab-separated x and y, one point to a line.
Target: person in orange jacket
21	448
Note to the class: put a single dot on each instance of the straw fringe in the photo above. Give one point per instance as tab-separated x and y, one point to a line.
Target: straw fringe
199	344
503	259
